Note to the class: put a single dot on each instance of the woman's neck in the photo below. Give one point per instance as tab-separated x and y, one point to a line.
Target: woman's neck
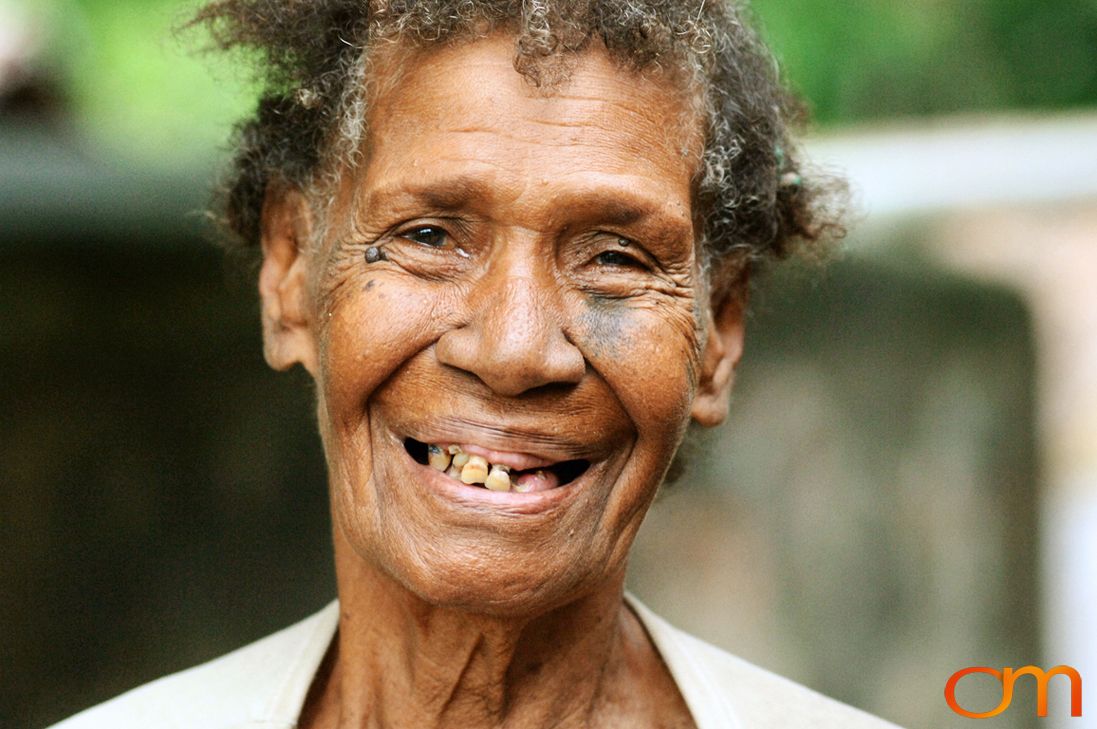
399	662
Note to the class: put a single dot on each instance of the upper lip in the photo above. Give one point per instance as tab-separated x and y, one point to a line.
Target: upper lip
511	444
510	459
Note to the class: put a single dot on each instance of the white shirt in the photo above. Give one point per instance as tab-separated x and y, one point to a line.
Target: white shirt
264	685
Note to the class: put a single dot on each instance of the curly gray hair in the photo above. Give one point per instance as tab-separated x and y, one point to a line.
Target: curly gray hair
753	201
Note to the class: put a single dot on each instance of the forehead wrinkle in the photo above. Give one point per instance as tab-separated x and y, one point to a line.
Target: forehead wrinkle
608	104
607	115
602	149
597	146
585	85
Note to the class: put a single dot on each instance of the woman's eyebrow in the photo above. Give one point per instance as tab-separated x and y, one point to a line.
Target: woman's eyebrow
451	193
610	209
604	204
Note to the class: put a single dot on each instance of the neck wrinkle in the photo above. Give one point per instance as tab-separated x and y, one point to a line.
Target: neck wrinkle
402	662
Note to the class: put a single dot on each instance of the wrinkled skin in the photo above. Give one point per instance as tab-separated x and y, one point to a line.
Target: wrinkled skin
539	292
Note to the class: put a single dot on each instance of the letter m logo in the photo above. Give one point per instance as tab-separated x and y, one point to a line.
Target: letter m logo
1008	678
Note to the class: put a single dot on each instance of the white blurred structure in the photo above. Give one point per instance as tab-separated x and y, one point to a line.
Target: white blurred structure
1019	201
959	165
22	38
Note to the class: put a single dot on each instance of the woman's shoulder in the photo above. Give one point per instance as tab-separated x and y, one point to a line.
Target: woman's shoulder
261	684
723	690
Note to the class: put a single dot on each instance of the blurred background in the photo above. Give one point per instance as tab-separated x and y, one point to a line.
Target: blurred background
907	485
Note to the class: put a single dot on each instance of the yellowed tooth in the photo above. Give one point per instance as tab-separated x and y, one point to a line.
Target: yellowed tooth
475	471
460	459
453	450
454	472
498	479
437	457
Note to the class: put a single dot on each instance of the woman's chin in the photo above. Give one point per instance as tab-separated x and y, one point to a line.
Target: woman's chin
464	547
496	587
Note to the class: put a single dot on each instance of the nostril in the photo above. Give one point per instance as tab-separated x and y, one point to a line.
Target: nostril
549	390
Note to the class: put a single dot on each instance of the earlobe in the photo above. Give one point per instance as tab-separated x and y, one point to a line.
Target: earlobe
283	282
721	355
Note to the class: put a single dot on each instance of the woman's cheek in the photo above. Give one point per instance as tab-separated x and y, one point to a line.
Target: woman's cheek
369	334
648	357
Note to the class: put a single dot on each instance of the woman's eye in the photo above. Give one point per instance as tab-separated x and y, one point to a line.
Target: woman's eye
617	258
427	235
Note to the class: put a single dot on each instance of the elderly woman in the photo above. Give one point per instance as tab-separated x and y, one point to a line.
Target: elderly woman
510	241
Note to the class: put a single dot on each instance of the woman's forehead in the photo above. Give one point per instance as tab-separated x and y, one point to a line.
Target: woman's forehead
460	122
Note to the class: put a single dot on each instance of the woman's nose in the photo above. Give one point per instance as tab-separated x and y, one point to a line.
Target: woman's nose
514	341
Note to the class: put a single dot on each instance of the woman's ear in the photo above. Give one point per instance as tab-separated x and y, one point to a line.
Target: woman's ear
723	349
288	333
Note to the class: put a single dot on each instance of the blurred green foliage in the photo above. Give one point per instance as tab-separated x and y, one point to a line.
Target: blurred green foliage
144	91
860	60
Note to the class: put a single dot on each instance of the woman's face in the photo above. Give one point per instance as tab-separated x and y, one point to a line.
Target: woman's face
513	271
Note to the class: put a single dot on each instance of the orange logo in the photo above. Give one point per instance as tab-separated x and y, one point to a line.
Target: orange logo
1008	677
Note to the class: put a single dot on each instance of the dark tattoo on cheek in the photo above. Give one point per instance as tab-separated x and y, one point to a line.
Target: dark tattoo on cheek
609	333
605	327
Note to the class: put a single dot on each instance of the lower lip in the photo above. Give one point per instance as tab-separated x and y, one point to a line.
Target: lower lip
510	502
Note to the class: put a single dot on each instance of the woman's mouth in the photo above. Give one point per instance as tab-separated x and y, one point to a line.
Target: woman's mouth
481	467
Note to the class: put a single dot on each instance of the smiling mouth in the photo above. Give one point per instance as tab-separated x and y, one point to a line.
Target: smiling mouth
476	470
